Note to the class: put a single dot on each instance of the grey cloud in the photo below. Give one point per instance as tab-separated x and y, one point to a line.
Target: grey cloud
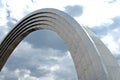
46	39
111	1
74	11
10	24
32	1
9	16
1	4
8	13
116	23
7	75
116	26
100	31
17	62
3	31
117	57
39	73
34	60
104	29
10	78
27	63
66	72
10	21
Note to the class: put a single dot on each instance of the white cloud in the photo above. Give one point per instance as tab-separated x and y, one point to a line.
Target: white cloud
47	63
114	33
19	11
112	44
38	64
3	15
55	3
98	12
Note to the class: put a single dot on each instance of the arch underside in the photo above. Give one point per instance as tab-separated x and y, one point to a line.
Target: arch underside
93	61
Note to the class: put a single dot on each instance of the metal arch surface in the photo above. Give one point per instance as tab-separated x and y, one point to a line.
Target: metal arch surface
93	61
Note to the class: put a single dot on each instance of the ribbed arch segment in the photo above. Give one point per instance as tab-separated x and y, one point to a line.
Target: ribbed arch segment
89	60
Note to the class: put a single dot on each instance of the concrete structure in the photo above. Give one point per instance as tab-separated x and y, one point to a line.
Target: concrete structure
93	61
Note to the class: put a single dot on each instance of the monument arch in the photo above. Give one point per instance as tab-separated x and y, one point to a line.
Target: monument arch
93	61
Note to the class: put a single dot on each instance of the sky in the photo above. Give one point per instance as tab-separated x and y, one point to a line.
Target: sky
42	55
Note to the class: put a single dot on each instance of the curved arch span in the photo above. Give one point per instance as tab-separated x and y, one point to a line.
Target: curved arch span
92	59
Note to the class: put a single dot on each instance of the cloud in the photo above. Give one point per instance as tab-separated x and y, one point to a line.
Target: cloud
108	33
17	74
74	11
111	43
43	55
51	52
9	15
3	32
14	13
110	1
1	4
97	15
36	63
117	56
4	21
116	22
104	29
46	39
18	12
10	21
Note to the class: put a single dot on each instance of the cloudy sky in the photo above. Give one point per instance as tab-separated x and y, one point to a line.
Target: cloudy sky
42	55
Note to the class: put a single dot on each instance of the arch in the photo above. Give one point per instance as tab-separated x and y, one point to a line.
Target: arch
92	59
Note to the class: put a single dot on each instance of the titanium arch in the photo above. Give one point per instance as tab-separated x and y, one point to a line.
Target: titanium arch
88	58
